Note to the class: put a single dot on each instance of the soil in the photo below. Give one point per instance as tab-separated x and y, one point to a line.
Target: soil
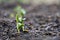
42	23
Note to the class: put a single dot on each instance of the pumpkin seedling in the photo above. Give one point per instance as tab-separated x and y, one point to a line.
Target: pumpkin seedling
19	18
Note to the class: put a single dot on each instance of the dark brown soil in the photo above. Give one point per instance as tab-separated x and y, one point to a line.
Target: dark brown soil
42	23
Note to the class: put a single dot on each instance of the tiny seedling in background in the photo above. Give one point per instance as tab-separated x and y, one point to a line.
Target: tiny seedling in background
19	18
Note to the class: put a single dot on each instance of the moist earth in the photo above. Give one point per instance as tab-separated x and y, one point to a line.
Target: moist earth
42	23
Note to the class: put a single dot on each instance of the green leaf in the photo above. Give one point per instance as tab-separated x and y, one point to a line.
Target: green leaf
19	18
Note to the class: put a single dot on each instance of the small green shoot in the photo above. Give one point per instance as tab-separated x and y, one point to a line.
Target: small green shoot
19	18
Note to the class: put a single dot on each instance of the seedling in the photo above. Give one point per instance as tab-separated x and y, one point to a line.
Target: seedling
19	18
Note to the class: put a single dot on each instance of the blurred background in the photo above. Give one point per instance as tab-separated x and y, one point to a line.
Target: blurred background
29	6
47	6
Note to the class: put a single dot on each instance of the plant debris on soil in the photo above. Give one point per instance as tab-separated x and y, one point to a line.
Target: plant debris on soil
42	23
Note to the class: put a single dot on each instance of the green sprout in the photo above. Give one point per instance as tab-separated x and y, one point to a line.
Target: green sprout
19	18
